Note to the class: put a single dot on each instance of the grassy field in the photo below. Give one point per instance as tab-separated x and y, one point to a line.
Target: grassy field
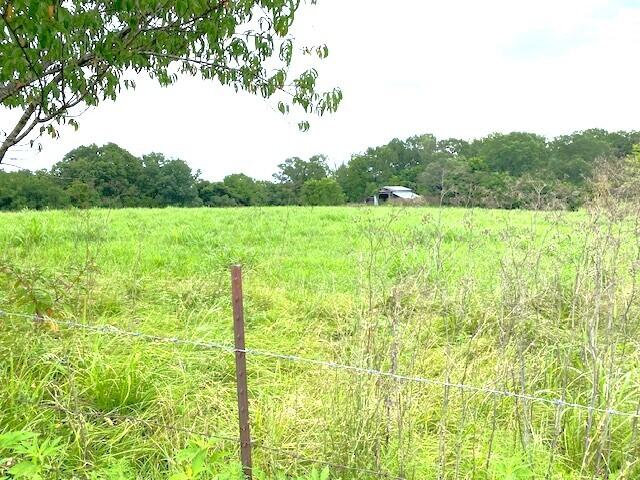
530	303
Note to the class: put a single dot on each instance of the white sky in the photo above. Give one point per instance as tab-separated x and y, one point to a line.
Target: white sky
462	68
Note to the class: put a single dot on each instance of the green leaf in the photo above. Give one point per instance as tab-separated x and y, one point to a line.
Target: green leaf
12	439
324	475
96	46
179	476
198	462
25	469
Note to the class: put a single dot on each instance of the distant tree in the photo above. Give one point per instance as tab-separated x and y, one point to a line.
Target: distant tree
357	178
245	190
448	181
410	156
119	179
111	170
20	190
325	191
55	55
623	143
295	171
459	148
215	194
168	182
82	195
514	153
278	193
573	156
396	163
461	182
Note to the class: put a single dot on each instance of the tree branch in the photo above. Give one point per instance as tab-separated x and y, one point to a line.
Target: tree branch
33	86
15	134
21	130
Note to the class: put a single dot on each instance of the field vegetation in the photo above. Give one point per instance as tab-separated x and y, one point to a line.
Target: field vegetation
436	342
520	304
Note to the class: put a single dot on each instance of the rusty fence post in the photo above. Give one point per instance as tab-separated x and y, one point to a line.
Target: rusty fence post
241	370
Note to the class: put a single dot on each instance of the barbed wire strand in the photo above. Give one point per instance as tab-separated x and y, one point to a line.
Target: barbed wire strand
111	330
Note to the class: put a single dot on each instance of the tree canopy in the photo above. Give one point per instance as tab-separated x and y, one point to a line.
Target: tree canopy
324	191
516	170
59	54
110	176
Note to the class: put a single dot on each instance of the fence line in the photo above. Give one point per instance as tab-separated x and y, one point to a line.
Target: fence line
111	330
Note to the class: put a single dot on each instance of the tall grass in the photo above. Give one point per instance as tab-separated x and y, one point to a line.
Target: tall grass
541	304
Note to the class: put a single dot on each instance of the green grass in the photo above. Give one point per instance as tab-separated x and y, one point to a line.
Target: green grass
542	303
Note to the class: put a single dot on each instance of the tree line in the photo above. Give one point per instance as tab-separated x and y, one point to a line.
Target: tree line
111	177
514	170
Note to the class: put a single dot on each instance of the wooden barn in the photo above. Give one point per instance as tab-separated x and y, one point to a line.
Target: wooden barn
393	193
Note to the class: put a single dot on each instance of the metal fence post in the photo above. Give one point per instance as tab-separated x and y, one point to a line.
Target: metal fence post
241	370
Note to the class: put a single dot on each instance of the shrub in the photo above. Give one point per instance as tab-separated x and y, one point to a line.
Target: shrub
325	191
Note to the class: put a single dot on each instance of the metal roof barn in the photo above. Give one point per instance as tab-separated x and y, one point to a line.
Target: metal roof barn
393	192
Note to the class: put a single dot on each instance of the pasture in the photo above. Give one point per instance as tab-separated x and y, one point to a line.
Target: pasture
523	326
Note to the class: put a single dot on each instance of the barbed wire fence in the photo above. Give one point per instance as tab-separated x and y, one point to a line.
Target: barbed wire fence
206	345
244	446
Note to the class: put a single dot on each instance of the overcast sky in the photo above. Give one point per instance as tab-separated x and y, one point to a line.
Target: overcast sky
455	68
